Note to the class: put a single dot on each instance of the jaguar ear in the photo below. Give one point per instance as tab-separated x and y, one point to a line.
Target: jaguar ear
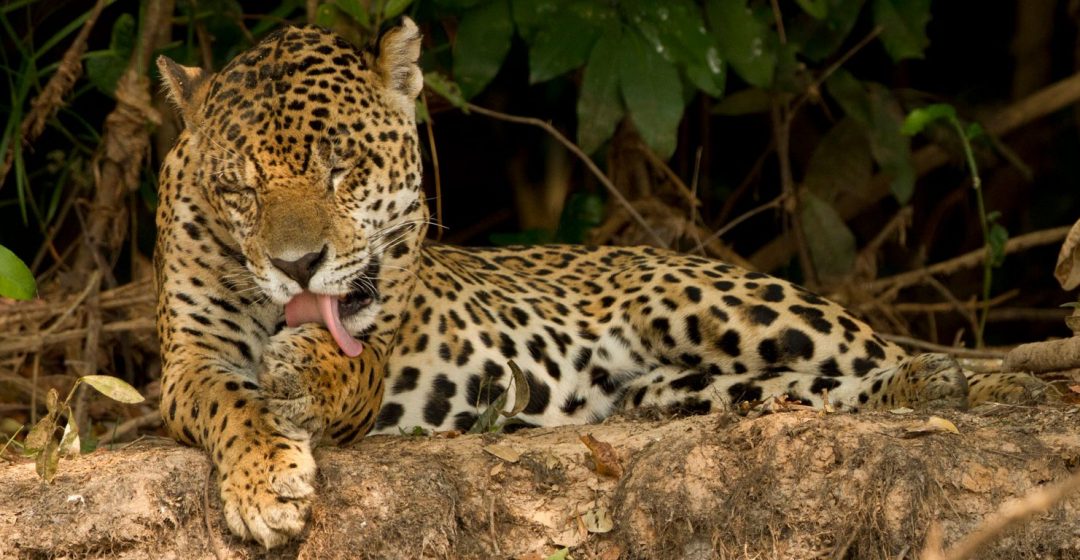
399	49
183	86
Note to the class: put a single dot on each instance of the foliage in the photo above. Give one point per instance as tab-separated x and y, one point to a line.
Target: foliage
16	280
994	234
488	420
42	444
682	74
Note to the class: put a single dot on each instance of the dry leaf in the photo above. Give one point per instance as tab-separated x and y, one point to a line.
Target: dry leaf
902	410
496	470
605	460
614	552
598	520
1067	270
504	452
933	425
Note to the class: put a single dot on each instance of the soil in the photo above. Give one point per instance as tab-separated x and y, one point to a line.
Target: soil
787	485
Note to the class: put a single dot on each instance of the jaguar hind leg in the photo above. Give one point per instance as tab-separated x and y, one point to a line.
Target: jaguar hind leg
1008	388
924	381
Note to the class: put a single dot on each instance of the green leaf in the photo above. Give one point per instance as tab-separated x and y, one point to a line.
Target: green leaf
114	388
918	119
831	243
394	8
820	38
561	554
675	28
105	71
354	8
841	163
531	15
890	146
560	46
483	39
874	107
652	91
327	16
850	94
817	9
974	130
746	101
997	239
747	43
533	236
903	25
421	111
16	280
583	211
599	106
446	89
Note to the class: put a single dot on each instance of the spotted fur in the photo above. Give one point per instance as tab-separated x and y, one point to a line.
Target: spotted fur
299	167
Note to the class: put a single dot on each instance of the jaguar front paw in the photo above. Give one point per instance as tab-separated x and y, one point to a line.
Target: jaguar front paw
266	493
289	381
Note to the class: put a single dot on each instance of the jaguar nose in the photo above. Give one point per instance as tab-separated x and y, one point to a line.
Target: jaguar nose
301	269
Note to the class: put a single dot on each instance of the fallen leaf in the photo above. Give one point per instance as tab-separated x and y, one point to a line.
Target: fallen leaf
605	460
933	425
902	410
598	520
504	452
496	470
1067	270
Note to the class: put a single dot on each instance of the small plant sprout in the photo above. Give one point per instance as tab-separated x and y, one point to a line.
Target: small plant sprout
42	443
994	234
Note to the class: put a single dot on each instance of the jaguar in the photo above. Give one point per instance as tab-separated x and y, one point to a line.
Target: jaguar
299	303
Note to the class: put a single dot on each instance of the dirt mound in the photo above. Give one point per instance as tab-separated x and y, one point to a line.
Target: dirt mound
790	485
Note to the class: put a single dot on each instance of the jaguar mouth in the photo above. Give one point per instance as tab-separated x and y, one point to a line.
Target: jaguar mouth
364	291
330	310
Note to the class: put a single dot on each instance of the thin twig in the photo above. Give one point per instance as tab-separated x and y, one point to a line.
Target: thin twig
600	176
695	215
815	88
896	224
211	536
964	312
961	352
941	307
968	260
205	51
36	342
781	122
776	202
779	17
148	420
670	173
744	185
1007	516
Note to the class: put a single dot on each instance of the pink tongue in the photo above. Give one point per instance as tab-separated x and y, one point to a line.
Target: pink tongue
307	307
